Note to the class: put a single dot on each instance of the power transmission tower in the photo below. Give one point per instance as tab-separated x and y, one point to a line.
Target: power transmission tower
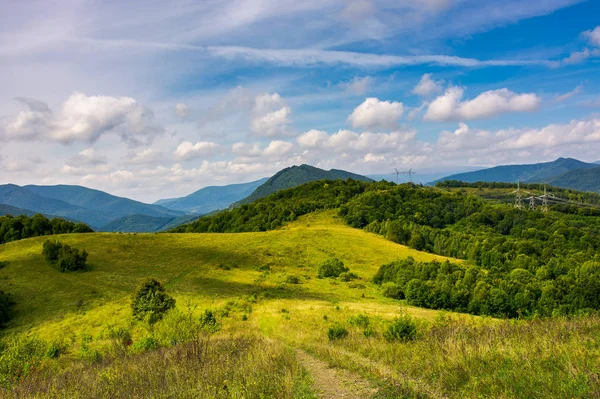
397	174
518	196
545	201
532	203
409	173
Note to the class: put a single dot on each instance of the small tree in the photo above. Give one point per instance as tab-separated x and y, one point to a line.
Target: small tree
150	300
6	307
332	268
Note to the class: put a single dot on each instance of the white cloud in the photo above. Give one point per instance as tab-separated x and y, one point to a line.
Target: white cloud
85	118
427	86
348	141
278	148
270	116
182	110
449	106
358	86
374	113
188	150
593	36
563	97
275	150
88	157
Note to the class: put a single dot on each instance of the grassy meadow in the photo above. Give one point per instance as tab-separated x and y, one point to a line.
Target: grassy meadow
269	302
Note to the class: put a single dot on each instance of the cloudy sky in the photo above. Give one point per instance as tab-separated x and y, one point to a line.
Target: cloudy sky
149	99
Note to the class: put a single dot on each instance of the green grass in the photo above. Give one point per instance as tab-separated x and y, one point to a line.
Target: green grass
244	277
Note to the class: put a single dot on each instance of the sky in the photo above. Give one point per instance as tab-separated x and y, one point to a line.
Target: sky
151	99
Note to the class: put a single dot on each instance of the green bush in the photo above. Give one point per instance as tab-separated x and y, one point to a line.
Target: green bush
403	328
145	344
64	257
360	320
6	308
331	268
208	321
292	280
337	332
151	301
392	290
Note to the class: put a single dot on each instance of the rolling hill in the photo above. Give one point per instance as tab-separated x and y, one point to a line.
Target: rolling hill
211	198
295	176
145	223
11	210
529	173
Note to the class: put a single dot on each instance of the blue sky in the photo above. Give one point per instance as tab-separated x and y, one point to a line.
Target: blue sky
150	100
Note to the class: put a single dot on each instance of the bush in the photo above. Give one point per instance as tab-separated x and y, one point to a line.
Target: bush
401	329
348	276
6	308
145	344
337	332
332	268
151	301
392	290
64	257
208	321
292	280
360	320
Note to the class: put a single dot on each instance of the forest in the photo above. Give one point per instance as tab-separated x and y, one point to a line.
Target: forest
14	228
519	263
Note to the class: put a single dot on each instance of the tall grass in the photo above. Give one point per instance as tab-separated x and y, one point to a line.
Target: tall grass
234	367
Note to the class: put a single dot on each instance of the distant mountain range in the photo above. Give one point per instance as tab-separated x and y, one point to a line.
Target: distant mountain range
421	176
211	198
295	176
563	172
11	210
96	208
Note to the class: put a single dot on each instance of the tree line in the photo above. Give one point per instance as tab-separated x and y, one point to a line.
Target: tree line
14	228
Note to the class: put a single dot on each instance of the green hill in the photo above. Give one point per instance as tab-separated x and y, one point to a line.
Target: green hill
530	173
581	179
209	199
295	176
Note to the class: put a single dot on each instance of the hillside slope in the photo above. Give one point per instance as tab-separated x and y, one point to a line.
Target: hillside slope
145	223
295	176
587	179
14	211
532	173
211	198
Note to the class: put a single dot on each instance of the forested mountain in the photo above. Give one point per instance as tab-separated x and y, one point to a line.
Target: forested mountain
518	262
89	206
587	179
531	173
211	198
11	210
295	176
146	224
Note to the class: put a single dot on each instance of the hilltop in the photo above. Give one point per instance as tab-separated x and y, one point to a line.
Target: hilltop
295	176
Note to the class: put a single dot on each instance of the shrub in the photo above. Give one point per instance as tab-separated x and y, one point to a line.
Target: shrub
6	308
3	264
208	321
292	280
145	344
337	332
151	301
64	257
331	268
401	329
360	320
392	290
348	276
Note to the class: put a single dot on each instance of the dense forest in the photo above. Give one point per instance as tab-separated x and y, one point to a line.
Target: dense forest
284	206
519	262
20	227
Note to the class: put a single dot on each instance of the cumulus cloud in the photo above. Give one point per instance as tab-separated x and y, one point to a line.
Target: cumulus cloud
449	106
593	36
189	150
182	110
358	86
349	141
427	86
84	118
270	116
276	149
374	113
88	156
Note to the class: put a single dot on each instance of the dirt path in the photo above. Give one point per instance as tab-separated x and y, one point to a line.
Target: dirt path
333	383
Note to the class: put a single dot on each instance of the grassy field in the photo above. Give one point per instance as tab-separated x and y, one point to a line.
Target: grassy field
244	278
